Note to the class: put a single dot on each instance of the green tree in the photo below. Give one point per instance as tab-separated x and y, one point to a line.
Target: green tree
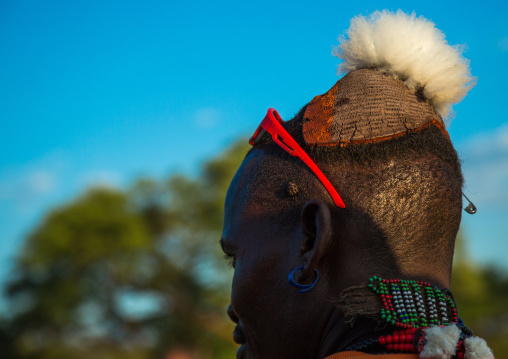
131	274
481	293
138	273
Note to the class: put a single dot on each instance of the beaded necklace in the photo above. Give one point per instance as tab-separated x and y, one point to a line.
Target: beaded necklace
405	306
406	341
414	307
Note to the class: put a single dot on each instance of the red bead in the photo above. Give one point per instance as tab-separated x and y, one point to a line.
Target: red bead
389	347
396	338
381	340
395	346
408	347
402	337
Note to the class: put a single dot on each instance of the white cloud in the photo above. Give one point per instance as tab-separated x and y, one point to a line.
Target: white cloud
41	181
207	117
22	186
29	188
490	143
485	166
503	44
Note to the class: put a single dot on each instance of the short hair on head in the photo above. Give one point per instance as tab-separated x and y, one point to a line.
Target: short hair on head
406	191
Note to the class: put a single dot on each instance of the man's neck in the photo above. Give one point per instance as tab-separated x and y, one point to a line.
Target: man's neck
339	333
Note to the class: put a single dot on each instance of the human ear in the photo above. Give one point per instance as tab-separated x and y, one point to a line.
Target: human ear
317	235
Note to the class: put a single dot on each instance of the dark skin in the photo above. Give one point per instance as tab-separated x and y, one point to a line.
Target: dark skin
273	319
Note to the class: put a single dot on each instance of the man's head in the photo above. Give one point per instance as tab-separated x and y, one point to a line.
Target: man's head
403	209
402	194
384	148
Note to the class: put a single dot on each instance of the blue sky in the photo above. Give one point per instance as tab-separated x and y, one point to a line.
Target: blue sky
105	91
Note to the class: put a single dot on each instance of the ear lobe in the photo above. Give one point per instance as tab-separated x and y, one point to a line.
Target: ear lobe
317	235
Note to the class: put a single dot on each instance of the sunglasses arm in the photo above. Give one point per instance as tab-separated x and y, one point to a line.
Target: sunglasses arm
273	125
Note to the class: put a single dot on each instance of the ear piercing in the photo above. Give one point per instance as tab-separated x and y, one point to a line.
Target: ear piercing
303	287
471	208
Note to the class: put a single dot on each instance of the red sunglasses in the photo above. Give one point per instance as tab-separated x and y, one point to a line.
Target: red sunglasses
272	123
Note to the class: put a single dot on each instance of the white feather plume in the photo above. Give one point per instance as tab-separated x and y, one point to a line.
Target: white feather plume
441	342
410	48
477	348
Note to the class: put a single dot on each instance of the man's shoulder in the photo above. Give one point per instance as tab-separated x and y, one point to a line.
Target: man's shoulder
360	355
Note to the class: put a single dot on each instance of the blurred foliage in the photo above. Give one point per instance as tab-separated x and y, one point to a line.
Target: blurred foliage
481	293
139	274
127	274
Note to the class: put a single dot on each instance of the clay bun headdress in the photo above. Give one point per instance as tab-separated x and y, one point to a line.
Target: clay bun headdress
401	76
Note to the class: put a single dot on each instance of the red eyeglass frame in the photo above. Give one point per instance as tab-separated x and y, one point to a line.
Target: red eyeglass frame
272	123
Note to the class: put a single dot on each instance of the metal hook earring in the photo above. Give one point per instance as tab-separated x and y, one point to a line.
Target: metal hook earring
304	287
471	208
